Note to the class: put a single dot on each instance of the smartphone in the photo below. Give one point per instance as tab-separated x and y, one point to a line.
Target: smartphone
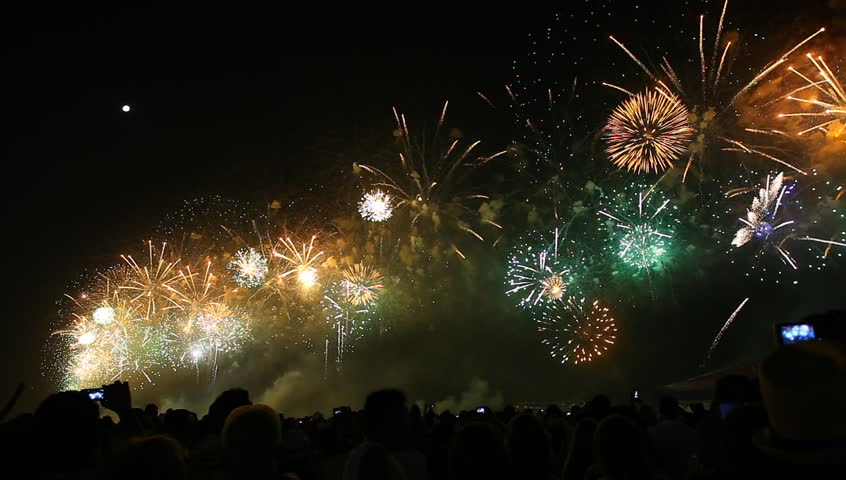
95	394
481	410
796	332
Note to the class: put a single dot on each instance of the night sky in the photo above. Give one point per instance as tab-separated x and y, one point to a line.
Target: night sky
255	104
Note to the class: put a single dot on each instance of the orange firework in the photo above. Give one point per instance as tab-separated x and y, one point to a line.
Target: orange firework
648	132
825	95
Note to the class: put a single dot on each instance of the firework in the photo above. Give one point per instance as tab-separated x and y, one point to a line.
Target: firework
104	315
648	132
772	224
249	267
537	273
825	96
576	330
361	285
705	102
640	232
212	335
301	261
376	206
428	180
764	209
153	284
124	348
346	312
198	294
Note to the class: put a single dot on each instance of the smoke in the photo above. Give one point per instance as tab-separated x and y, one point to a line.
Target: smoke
479	393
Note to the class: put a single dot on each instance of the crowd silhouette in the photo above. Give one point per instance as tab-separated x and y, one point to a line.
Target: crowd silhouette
789	422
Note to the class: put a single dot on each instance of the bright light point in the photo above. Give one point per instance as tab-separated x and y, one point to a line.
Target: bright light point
249	266
104	315
307	277
126	108
87	338
196	354
375	206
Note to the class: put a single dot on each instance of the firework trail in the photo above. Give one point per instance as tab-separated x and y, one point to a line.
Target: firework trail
722	331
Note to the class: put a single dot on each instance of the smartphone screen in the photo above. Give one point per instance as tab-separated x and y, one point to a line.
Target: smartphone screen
799	332
95	395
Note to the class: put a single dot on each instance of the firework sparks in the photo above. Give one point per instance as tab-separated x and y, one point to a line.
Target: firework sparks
104	315
707	105
249	267
376	206
577	330
301	261
213	335
361	284
769	224
764	208
648	132
429	175
198	294
640	235
826	96
537	273
121	348
347	311
153	284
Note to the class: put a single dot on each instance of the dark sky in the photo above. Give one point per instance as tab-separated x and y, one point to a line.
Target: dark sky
239	101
